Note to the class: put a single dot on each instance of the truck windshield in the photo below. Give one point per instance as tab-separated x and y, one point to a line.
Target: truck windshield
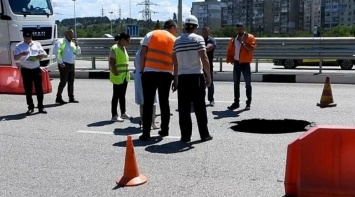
31	7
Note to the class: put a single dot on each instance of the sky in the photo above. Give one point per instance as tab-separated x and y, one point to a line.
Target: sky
85	8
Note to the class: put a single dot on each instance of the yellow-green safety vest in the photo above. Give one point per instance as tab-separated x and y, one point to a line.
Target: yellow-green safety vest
122	59
63	43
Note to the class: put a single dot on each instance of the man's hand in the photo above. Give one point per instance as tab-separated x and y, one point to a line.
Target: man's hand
114	71
174	86
208	81
24	53
75	41
62	65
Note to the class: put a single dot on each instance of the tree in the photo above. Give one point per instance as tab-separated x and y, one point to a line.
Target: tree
157	25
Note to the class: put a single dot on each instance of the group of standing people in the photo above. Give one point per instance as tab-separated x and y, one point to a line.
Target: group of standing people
184	64
29	53
163	62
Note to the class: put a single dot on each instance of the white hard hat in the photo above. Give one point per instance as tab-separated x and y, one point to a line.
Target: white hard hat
191	20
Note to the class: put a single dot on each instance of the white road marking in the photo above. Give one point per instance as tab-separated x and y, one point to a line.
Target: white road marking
208	102
111	133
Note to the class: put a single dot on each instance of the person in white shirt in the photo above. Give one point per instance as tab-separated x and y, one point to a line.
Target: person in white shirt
66	50
29	53
190	60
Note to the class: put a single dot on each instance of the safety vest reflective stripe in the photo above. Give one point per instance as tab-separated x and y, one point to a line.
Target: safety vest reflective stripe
153	60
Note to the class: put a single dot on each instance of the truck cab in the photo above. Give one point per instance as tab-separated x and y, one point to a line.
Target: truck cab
18	15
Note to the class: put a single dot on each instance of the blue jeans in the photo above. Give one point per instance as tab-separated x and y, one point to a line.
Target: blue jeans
244	68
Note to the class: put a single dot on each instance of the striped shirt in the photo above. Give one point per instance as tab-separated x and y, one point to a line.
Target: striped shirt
187	48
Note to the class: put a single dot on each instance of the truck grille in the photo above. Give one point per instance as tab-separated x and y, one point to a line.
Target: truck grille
41	33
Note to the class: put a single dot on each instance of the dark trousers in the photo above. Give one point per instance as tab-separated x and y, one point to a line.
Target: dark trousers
119	94
30	76
151	82
211	87
244	68
191	89
67	75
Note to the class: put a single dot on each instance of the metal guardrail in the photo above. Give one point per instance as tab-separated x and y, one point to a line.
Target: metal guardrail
340	48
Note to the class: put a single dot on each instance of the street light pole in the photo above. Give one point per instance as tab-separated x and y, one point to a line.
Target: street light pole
111	21
180	14
76	36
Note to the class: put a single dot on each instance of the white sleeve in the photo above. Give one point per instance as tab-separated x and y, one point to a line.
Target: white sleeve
147	39
17	50
201	44
78	50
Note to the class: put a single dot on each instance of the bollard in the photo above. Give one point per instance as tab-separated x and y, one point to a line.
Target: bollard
220	64
320	65
93	63
256	65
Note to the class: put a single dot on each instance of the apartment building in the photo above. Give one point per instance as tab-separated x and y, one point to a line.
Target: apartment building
208	13
255	14
342	12
286	15
312	14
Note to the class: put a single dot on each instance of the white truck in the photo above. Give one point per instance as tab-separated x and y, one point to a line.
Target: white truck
18	15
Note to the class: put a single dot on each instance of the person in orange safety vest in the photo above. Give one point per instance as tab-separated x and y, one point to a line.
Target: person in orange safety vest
240	54
157	74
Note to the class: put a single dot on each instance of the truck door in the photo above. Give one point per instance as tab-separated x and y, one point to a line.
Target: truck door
5	58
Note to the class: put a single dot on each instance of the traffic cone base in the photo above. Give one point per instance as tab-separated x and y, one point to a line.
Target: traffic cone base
327	96
123	181
326	105
131	175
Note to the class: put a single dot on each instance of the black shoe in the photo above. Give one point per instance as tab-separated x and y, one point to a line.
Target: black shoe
144	137
163	133
247	107
205	139
42	111
73	100
234	106
30	111
60	101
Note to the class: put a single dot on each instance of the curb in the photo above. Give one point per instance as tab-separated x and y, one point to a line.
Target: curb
228	76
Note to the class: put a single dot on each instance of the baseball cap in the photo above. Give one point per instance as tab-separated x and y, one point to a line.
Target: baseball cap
27	33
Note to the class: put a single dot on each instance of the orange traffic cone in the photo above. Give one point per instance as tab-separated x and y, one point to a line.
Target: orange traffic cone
131	175
327	96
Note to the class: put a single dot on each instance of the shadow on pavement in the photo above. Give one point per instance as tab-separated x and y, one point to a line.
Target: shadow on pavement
101	123
51	105
137	142
13	117
127	131
263	126
170	148
227	113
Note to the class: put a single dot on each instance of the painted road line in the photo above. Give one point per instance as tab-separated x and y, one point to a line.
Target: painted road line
111	133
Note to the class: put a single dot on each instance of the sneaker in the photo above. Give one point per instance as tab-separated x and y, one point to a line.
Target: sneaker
163	133
247	107
60	101
117	119
234	106
212	103
125	116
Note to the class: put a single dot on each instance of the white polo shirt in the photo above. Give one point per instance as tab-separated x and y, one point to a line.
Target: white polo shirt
34	49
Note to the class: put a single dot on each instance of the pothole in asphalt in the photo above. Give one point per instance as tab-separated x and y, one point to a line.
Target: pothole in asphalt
264	126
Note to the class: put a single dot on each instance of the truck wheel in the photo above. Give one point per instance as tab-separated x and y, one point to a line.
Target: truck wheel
346	64
290	64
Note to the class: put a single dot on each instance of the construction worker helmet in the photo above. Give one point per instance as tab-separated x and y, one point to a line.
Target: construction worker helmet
191	20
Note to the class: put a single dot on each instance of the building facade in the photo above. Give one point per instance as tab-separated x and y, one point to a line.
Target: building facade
208	13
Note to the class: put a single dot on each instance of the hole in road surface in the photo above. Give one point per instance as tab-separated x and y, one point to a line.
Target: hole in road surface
264	126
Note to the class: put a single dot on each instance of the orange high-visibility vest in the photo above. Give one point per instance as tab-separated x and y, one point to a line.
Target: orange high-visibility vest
160	49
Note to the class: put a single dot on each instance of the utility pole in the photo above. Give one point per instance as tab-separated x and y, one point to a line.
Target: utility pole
111	21
75	35
147	12
102	11
180	14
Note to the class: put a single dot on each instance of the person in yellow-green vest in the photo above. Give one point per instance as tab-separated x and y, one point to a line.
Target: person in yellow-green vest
119	76
66	50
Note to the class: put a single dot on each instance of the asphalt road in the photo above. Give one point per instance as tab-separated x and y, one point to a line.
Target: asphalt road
75	150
